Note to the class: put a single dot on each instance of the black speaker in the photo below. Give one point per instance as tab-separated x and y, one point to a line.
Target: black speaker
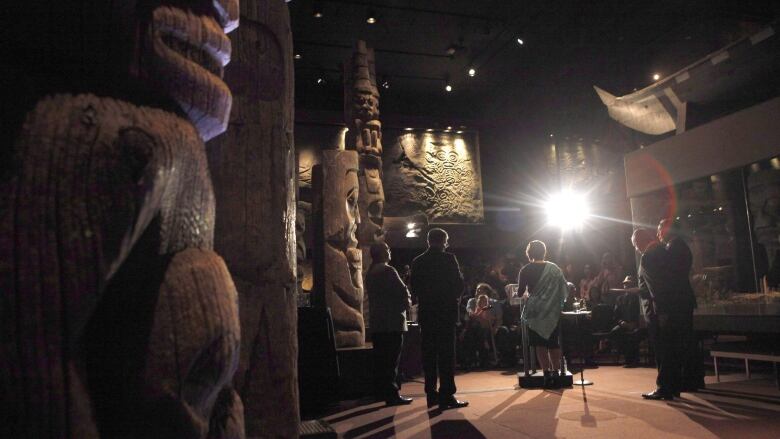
318	367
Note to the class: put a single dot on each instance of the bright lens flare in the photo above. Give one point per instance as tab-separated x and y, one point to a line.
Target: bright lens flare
567	210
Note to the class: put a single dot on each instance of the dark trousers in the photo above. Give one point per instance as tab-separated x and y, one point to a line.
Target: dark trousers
668	335
438	355
387	353
627	342
692	362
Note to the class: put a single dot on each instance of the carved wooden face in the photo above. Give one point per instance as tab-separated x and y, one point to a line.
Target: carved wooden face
341	192
372	200
366	105
183	52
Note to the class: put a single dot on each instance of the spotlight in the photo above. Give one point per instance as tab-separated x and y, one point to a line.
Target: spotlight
520	41
370	16
448	87
472	71
567	210
318	9
656	76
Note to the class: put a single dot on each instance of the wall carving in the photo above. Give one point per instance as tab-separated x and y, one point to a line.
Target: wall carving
437	174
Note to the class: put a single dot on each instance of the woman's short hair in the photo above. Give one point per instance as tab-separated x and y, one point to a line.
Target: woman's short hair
536	250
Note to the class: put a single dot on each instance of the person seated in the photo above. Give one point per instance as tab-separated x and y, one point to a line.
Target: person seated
607	279
627	333
484	316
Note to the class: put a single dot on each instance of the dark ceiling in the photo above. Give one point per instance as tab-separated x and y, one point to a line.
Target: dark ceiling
568	47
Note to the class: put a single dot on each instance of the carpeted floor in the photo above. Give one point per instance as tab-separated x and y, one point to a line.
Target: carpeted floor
611	408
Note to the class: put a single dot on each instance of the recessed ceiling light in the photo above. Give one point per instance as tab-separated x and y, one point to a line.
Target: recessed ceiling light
408	129
318	9
297	56
429	130
449	127
459	132
370	16
520	41
656	76
472	71
320	80
448	88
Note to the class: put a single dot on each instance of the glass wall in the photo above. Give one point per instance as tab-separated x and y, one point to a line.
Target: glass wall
731	222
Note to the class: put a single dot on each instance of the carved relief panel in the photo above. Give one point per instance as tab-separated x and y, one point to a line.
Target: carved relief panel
437	174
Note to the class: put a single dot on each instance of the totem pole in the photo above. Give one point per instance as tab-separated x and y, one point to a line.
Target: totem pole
118	318
361	110
339	275
253	168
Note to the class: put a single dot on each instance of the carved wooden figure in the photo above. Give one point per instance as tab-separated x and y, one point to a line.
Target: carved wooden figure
253	167
361	110
341	280
118	319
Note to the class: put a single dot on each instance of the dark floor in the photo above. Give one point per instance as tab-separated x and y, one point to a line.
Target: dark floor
611	408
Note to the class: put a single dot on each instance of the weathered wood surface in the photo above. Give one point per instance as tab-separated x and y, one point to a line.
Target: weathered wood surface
116	317
339	274
253	168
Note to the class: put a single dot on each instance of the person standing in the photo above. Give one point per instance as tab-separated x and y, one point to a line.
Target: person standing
389	302
546	290
658	307
679	262
437	284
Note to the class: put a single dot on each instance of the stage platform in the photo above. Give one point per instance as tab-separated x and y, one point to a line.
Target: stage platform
536	380
611	408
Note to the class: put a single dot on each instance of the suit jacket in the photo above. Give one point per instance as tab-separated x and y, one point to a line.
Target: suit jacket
437	283
389	299
650	276
679	262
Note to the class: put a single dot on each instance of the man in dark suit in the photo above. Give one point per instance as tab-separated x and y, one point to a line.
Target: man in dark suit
437	284
679	261
656	307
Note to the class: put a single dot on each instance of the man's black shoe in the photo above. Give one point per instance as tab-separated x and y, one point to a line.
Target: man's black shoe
432	399
399	400
656	395
452	403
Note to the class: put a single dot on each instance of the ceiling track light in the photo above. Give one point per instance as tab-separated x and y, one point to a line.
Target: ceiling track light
317	13
370	16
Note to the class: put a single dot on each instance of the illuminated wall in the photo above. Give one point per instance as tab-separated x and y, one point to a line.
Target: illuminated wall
434	173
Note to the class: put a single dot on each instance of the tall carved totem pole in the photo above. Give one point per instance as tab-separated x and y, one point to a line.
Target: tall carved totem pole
338	269
117	318
361	110
253	167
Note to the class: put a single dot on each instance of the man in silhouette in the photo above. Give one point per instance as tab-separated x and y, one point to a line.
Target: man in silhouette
437	284
679	260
